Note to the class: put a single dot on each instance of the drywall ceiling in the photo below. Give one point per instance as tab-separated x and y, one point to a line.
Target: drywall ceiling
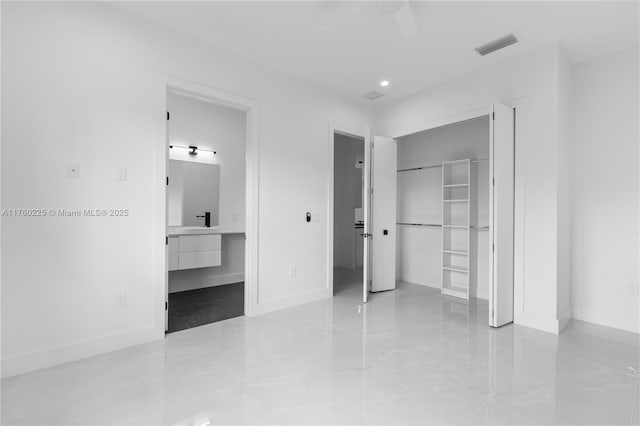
349	47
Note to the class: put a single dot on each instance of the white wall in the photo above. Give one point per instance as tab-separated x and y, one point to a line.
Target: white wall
80	86
604	183
347	197
221	129
529	83
420	201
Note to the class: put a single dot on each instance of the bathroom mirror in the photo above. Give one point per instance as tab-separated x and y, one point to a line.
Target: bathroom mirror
193	192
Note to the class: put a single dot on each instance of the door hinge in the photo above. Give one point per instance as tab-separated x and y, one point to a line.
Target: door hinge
167	180
168	115
493	314
166	240
166	305
493	182
493	247
493	115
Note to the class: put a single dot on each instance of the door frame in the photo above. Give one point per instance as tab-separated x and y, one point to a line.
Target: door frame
345	131
165	84
471	115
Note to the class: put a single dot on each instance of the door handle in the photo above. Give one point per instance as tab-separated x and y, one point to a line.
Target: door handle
365	235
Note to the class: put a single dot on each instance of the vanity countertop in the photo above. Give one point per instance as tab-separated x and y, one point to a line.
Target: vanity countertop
174	231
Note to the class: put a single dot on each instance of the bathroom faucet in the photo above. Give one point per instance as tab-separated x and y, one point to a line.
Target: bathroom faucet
207	219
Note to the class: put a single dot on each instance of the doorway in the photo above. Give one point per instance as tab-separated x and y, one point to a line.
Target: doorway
456	212
205	210
348	215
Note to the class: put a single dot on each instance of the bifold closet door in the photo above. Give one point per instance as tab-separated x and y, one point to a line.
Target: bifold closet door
366	210
384	166
501	214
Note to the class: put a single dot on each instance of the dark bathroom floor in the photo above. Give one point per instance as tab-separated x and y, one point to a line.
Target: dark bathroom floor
193	308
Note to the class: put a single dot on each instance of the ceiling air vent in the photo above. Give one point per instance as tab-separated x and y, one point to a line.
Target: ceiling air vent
373	95
497	44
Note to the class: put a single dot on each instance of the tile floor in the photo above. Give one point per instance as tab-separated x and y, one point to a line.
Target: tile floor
193	308
407	357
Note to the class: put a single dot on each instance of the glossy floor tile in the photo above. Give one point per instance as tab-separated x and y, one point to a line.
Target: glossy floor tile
407	357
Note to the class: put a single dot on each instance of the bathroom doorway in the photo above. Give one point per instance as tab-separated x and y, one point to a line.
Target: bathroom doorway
348	215
206	211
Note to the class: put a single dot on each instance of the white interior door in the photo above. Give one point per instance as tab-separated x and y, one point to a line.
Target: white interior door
366	210
383	213
501	214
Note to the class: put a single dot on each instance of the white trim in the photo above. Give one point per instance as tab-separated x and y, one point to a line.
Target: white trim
607	320
267	306
27	362
251	107
451	119
564	320
538	323
553	326
333	130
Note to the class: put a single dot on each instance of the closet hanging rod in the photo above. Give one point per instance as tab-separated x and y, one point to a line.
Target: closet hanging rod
435	225
437	165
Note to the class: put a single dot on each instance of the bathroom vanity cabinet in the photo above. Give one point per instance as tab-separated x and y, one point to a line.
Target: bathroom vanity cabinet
194	251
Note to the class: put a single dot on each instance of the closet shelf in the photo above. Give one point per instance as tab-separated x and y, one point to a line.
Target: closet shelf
456	174
461	269
455	292
459	252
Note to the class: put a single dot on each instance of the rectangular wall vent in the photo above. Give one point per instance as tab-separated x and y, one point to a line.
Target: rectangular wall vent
373	95
497	44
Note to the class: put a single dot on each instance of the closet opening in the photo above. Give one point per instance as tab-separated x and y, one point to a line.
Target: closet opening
348	215
454	206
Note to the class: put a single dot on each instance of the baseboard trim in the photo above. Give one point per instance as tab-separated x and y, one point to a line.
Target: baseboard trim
289	302
608	320
548	325
176	286
28	362
564	320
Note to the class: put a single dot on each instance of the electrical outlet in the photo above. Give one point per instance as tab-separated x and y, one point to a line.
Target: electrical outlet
121	300
633	289
315	218
234	217
121	174
292	272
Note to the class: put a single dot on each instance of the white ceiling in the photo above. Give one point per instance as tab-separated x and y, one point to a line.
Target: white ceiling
350	46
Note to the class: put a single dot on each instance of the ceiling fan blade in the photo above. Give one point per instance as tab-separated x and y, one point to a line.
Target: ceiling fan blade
406	20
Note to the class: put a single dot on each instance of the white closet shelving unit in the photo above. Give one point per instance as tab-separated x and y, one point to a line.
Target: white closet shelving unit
456	224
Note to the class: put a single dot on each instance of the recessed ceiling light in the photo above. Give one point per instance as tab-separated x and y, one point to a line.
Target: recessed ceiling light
384	83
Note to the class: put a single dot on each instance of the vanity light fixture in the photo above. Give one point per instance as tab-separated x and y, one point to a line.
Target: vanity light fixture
384	83
193	150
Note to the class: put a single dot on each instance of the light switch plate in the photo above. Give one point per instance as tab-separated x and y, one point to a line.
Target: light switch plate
73	170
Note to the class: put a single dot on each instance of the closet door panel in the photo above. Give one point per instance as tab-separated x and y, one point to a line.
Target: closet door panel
383	219
501	215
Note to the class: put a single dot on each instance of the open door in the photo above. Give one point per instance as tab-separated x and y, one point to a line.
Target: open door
501	214
383	213
366	209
